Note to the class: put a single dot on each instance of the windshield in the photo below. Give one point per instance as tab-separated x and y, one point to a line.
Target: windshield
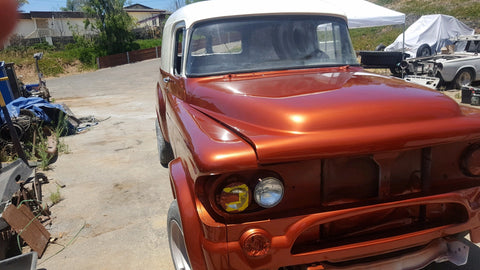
268	43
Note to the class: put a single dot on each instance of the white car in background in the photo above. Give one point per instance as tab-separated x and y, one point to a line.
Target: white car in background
455	68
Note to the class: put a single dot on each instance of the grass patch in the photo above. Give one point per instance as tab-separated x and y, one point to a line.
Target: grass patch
369	38
149	43
55	197
456	8
44	138
40	148
63	148
55	61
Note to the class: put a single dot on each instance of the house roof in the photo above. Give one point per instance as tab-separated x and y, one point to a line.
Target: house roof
142	8
50	14
137	6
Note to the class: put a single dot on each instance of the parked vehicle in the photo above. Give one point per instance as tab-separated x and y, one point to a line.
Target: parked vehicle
425	37
460	67
428	35
284	153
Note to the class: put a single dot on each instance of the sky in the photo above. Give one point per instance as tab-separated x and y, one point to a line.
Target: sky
55	5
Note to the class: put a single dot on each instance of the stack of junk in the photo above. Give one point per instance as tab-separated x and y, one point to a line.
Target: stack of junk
26	116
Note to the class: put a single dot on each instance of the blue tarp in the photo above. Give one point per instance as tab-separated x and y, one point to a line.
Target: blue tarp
47	112
44	110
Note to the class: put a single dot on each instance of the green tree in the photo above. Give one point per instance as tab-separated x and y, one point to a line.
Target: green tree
22	2
74	5
113	25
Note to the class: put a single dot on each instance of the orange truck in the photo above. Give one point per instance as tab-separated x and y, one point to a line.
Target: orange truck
284	153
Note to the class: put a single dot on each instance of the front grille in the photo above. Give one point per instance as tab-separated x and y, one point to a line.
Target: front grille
348	182
379	224
381	176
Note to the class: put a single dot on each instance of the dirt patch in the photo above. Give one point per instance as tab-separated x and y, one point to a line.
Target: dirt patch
28	74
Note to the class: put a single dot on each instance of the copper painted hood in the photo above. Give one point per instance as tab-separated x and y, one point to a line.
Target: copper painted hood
296	114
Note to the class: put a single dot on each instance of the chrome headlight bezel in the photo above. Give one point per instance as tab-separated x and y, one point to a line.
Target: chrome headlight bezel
269	192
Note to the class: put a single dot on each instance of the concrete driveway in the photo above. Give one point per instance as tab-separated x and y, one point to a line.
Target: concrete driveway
114	207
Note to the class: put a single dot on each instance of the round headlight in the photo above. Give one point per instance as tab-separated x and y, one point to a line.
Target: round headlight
471	161
268	192
234	197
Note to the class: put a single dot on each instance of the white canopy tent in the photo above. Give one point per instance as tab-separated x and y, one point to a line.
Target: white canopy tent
362	13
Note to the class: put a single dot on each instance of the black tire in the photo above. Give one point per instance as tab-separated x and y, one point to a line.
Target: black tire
424	50
463	77
176	238
396	71
165	151
380	47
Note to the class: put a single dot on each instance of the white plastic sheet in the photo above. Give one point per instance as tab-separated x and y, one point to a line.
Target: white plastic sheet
434	30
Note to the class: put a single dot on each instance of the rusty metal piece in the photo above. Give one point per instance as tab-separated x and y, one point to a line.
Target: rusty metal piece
11	177
28	227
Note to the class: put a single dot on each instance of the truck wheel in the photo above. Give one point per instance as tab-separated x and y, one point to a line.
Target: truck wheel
396	71
463	77
165	151
424	50
380	47
176	239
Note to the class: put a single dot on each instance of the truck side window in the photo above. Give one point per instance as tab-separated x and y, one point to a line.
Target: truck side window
179	42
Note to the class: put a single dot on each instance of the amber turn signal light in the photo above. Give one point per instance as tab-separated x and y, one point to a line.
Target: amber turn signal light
471	161
234	197
256	242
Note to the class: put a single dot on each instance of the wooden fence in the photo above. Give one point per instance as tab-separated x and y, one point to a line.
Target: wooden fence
128	57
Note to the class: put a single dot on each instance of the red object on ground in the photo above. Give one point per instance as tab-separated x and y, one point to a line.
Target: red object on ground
8	18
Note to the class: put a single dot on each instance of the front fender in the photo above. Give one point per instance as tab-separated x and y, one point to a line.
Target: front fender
183	191
203	249
450	71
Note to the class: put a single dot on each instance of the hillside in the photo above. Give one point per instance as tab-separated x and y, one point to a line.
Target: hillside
467	11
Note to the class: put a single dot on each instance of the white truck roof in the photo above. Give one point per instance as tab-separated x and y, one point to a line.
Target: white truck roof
217	9
233	8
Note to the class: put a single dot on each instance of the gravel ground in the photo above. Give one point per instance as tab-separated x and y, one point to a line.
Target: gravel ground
116	198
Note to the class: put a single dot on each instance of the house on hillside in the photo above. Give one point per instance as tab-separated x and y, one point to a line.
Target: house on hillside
48	25
146	16
59	25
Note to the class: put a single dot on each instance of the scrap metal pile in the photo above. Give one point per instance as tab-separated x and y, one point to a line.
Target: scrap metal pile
22	212
29	127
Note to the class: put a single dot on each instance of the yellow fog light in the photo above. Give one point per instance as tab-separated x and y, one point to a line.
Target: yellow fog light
235	197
